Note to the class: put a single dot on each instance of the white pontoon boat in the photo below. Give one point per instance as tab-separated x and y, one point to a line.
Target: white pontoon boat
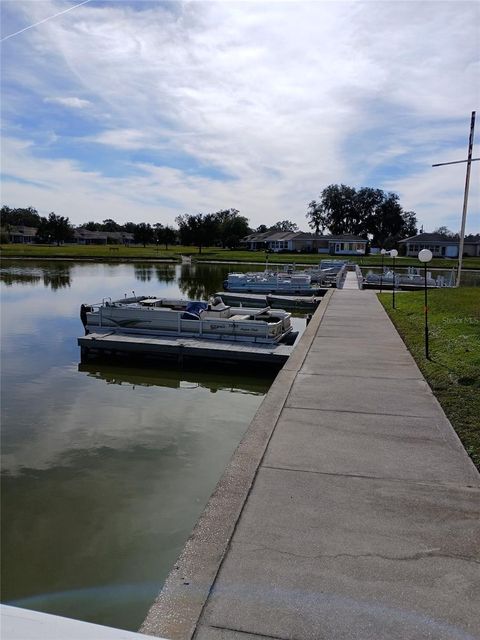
190	318
271	282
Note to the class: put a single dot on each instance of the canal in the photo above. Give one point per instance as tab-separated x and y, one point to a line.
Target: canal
105	469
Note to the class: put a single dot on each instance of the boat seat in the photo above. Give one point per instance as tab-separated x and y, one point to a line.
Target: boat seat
218	307
239	317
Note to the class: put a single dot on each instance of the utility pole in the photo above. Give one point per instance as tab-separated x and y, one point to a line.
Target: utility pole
469	161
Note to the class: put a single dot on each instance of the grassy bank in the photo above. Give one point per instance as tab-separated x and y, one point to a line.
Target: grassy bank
113	252
453	372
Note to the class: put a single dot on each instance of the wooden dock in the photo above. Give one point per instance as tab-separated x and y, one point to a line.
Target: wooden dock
172	348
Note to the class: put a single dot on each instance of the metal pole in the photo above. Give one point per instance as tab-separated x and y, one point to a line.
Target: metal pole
381	275
465	198
393	284
426	312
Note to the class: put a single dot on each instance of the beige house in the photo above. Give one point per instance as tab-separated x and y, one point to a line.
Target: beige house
441	246
84	236
301	242
22	235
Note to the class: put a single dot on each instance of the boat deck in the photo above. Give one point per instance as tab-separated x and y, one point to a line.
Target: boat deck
180	348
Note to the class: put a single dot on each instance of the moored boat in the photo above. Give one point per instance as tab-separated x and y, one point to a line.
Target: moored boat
412	278
271	282
190	318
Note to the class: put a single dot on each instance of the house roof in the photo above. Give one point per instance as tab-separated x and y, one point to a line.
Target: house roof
270	236
346	237
429	237
22	230
439	238
81	232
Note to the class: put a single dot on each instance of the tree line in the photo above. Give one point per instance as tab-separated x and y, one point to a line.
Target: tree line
366	212
369	213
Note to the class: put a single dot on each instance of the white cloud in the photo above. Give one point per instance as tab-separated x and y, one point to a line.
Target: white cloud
73	102
284	98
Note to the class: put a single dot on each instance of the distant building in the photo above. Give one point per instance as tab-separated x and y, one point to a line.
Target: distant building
21	234
84	236
441	246
301	242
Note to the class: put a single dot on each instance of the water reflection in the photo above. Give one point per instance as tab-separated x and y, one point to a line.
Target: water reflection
11	278
55	276
104	469
179	378
198	281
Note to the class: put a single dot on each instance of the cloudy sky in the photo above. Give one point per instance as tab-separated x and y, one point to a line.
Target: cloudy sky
143	110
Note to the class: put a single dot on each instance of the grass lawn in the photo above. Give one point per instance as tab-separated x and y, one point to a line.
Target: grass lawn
118	252
453	372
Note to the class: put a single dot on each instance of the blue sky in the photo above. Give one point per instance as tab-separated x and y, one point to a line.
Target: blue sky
144	110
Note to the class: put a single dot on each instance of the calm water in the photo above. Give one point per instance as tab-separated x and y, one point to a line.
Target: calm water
105	469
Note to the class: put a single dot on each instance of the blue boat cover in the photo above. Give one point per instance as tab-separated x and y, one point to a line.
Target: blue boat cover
193	310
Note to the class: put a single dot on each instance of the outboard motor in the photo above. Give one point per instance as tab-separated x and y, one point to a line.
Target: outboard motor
83	316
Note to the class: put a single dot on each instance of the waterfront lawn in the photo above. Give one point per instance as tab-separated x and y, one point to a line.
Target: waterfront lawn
152	252
453	372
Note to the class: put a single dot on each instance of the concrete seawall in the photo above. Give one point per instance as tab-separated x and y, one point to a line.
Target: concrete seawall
349	510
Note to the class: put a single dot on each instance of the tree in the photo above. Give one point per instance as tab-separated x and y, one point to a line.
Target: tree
445	231
92	226
284	225
56	228
389	223
111	225
261	229
129	227
338	206
198	229
231	227
165	235
316	217
22	217
366	213
143	234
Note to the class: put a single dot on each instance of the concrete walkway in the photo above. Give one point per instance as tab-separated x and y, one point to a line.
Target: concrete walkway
349	510
351	281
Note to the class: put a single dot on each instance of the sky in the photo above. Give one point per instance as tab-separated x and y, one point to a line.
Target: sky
142	110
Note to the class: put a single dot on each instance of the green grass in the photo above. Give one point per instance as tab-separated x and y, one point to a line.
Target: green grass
117	252
453	371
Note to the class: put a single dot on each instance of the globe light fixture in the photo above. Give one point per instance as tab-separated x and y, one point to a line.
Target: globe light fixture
394	254
425	255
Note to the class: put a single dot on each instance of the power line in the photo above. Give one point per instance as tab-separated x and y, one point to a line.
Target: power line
55	15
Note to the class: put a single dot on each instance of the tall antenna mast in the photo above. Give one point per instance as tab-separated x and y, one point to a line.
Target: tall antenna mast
469	161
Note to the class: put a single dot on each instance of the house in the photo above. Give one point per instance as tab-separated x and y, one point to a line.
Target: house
84	236
22	234
440	245
301	242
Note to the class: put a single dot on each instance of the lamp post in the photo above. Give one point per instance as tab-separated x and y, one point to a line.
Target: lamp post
383	252
394	254
425	255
